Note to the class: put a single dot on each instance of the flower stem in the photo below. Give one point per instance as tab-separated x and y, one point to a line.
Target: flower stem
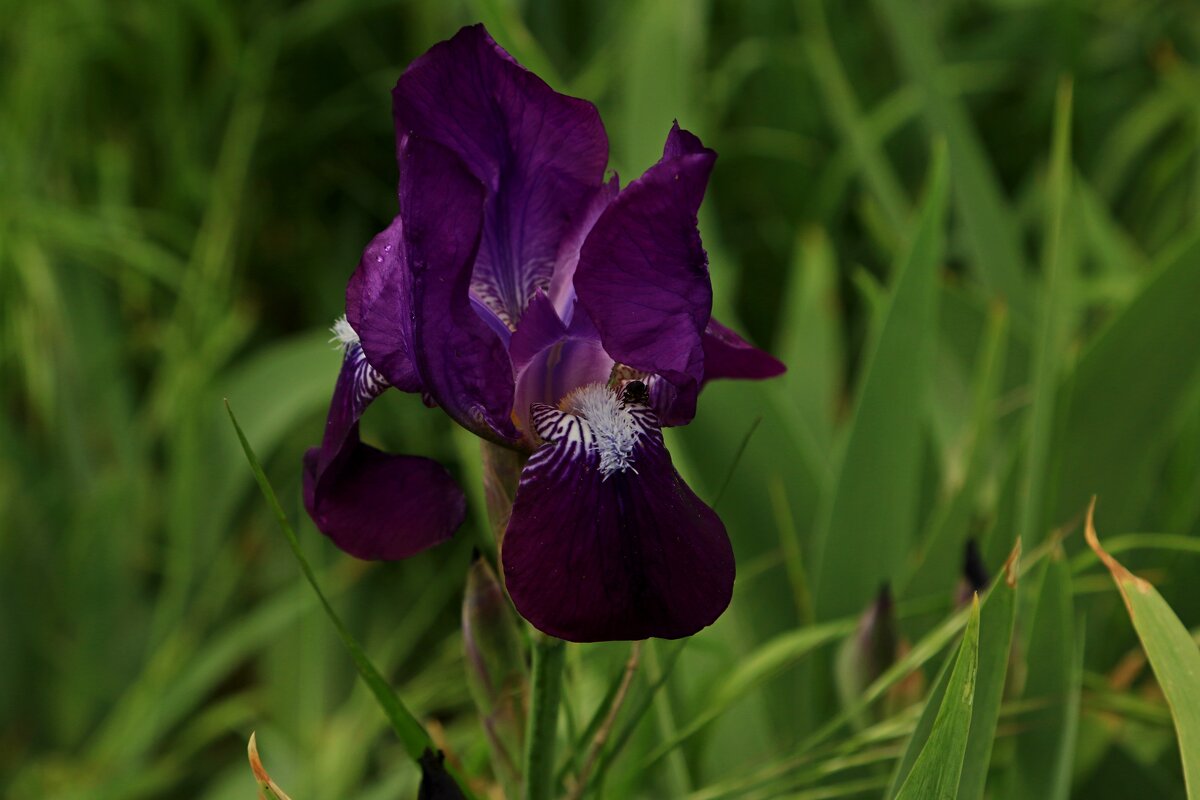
543	716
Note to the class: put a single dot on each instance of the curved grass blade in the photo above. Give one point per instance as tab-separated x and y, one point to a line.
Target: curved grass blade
267	788
760	665
938	768
1171	650
411	733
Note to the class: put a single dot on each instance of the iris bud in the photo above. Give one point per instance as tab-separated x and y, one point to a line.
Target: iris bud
496	670
863	657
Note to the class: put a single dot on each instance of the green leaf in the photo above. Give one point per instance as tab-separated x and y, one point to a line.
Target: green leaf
997	617
843	105
868	520
936	772
410	732
764	662
541	735
1112	436
997	621
1171	650
267	788
1046	746
811	339
992	233
1051	333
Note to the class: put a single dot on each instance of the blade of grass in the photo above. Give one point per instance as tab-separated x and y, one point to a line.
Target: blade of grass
410	732
843	105
936	772
1045	750
267	788
545	693
1171	650
639	709
992	233
757	667
1051	331
866	526
997	617
1112	437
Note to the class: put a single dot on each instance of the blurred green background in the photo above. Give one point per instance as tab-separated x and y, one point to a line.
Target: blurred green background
185	188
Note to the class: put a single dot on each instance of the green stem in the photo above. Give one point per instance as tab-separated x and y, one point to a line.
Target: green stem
543	717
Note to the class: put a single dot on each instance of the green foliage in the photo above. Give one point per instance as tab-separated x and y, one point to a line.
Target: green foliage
972	233
1172	653
936	771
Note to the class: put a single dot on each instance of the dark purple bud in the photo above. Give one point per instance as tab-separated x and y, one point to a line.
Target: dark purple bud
868	653
436	783
975	578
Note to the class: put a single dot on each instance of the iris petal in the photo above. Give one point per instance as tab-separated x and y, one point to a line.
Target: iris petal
551	359
643	273
372	504
728	355
597	554
541	156
410	298
462	362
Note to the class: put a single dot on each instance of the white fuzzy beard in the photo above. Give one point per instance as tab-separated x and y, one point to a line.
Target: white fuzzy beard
343	334
609	428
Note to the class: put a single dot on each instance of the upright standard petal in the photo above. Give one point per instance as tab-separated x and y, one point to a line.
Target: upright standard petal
379	308
410	299
643	273
372	504
551	359
540	154
728	355
606	541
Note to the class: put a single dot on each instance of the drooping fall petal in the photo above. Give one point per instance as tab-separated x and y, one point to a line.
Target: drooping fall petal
374	505
606	541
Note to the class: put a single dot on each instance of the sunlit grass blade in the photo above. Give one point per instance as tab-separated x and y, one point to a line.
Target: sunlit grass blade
410	732
936	772
997	623
267	788
1171	650
866	527
920	654
996	620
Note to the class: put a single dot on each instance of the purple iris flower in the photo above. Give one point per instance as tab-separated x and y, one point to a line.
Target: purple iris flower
548	311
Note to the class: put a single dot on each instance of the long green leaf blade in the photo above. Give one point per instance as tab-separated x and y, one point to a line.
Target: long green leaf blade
868	522
1172	653
410	732
937	770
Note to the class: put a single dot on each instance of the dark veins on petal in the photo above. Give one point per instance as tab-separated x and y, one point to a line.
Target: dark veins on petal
623	556
540	155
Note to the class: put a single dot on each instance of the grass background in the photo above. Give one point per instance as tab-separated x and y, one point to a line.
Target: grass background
185	188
